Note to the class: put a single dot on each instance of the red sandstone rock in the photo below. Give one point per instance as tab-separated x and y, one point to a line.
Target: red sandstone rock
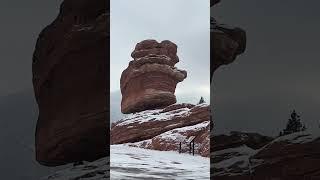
151	78
228	43
69	78
290	157
148	124
170	140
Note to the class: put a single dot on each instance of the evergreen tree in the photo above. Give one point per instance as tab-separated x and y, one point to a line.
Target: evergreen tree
293	125
201	100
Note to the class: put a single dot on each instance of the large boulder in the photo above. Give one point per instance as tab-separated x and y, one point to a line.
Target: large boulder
70	84
231	153
290	157
170	140
164	129
151	78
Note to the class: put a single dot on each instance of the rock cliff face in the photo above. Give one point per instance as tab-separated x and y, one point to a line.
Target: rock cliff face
70	84
151	78
164	129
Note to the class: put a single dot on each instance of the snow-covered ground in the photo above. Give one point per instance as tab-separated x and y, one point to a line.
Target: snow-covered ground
96	170
234	161
136	163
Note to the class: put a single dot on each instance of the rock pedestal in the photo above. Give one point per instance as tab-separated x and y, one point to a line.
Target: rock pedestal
151	78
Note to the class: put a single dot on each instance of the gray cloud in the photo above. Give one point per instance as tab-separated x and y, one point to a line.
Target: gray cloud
21	22
184	23
278	72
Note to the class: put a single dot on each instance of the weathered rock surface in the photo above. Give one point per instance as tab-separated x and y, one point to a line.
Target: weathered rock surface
151	78
231	152
236	139
69	79
290	157
164	129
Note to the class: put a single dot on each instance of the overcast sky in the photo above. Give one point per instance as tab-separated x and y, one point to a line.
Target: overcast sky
185	23
21	23
279	70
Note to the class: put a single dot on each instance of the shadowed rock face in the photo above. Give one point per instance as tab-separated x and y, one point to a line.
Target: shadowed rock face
70	84
151	78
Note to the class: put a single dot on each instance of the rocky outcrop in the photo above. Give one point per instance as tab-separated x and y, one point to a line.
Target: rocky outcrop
290	157
164	129
69	80
151	78
231	152
227	43
236	139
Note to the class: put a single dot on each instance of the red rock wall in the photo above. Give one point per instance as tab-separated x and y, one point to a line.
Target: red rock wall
70	83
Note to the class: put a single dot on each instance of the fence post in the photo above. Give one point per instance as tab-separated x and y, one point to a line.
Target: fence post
180	148
193	148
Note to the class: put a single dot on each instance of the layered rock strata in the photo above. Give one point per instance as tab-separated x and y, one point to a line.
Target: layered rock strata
164	129
70	84
151	78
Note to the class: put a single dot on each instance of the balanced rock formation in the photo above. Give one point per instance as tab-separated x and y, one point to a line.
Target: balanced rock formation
164	129
69	78
151	78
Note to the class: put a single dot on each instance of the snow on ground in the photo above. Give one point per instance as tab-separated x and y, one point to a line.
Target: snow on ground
176	135
300	137
96	170
234	161
136	163
156	115
152	115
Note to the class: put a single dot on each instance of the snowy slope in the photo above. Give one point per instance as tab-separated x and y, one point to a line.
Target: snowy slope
88	171
232	161
136	163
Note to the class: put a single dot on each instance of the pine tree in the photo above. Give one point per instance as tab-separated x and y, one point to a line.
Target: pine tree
294	124
201	100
